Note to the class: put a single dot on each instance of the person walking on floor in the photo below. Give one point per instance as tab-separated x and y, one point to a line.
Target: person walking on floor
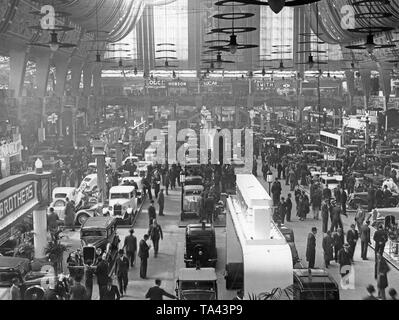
351	238
161	202
339	241
15	291
111	291
328	248
359	218
370	293
157	293
78	291
364	239
121	271
288	207
152	214
102	275
325	212
276	192
143	254
311	248
382	278
156	234
130	246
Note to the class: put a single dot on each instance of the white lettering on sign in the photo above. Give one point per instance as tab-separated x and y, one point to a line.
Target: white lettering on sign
210	83
10	149
16	200
177	84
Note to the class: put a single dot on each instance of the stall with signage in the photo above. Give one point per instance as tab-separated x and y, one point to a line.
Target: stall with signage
20	195
156	87
10	152
177	88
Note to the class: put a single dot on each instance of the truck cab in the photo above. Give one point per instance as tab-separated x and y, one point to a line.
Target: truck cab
123	202
196	284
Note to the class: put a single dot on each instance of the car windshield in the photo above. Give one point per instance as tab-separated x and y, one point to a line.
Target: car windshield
198	295
193	192
6	278
93	233
119	195
59	203
320	295
195	285
60	195
87	180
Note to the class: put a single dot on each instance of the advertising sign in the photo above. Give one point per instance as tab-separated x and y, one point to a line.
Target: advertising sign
15	200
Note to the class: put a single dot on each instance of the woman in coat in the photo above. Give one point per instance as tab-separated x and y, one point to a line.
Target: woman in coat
328	248
305	207
382	280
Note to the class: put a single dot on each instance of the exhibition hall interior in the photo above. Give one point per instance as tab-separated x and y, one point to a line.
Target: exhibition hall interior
199	150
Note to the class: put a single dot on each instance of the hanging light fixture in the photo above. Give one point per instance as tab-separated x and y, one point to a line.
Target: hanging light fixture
174	74
233	44
276	5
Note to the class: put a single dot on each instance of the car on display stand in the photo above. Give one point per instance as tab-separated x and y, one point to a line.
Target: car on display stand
31	283
196	284
200	245
140	186
94	210
123	203
89	183
191	201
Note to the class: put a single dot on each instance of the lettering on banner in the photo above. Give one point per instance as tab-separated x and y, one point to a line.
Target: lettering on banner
16	200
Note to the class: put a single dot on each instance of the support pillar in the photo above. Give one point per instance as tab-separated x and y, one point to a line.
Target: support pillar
97	86
366	83
118	149
40	231
61	71
76	76
18	60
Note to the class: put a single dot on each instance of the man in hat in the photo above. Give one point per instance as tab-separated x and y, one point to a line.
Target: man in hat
351	237
155	233
370	293
364	239
157	293
336	221
121	270
152	214
344	260
102	275
161	202
130	246
311	248
144	249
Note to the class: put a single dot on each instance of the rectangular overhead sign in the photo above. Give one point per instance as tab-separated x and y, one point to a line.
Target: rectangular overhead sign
17	199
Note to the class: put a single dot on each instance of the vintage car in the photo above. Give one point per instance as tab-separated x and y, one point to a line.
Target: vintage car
196	284
314	284
200	246
83	214
132	159
193	180
59	199
330	182
192	198
357	199
32	283
100	233
123	203
89	183
142	168
140	186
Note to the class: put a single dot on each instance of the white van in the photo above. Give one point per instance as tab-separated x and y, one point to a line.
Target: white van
123	202
139	182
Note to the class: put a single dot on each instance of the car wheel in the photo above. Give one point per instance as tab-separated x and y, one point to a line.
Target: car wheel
81	219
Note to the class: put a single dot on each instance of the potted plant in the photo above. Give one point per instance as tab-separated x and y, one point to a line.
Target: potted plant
55	253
